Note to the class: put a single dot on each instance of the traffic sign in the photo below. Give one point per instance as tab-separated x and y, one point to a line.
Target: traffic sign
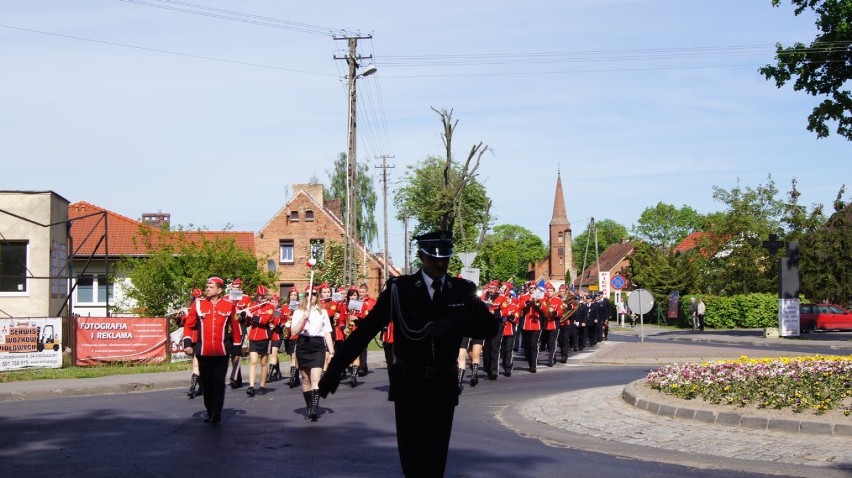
640	301
618	282
593	287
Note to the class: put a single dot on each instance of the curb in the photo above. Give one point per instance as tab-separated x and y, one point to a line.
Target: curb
638	395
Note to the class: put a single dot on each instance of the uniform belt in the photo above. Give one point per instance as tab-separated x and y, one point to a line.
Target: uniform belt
428	371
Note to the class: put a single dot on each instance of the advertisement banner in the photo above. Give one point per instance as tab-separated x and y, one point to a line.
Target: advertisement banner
176	346
30	343
603	283
121	339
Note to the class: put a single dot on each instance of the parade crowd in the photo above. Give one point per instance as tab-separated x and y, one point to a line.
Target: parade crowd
309	327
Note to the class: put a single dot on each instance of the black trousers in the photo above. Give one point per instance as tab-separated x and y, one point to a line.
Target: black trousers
491	355
507	357
211	376
565	340
549	339
529	341
423	438
388	348
363	357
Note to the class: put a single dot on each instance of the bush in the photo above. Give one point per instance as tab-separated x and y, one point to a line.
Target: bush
747	311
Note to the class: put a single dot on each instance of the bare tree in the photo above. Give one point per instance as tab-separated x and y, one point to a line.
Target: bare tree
451	188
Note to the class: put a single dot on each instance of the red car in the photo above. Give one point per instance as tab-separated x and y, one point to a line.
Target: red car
824	317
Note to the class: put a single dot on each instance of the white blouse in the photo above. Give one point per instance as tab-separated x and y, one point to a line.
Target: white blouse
318	324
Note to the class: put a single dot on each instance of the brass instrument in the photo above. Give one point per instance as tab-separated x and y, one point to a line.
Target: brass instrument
570	309
350	324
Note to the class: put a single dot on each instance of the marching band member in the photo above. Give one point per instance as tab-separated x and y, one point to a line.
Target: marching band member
369	303
314	343
510	313
552	308
567	329
331	309
237	351
291	335
531	332
259	315
349	322
494	299
276	340
214	321
194	389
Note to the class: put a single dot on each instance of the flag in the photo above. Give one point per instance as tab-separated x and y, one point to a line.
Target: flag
541	284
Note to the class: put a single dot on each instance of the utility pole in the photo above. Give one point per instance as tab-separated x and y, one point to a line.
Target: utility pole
350	256
385	168
407	247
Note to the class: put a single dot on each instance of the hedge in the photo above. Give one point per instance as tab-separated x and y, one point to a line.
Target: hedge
746	311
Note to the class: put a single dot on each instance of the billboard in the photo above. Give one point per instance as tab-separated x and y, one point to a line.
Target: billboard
30	343
121	339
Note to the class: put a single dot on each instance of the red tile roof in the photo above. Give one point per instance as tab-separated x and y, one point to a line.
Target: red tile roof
88	223
608	260
690	242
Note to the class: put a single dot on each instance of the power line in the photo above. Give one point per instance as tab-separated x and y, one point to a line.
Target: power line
188	55
236	16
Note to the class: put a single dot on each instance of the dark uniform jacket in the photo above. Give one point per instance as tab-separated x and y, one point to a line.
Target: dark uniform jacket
426	337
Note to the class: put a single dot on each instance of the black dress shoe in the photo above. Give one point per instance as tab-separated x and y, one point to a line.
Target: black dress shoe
508	373
216	418
236	384
532	370
493	376
250	392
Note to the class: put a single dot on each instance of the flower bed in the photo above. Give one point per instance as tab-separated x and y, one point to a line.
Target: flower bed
817	383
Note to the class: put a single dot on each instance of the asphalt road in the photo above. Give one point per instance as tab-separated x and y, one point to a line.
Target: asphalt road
161	433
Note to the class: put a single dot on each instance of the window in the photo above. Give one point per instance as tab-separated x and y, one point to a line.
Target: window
285	251
559	239
85	289
294	216
13	266
318	249
104	288
309	215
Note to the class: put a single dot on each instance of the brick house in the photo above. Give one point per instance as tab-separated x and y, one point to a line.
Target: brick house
310	222
615	259
558	266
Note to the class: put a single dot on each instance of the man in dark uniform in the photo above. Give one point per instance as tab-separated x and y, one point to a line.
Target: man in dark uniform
431	312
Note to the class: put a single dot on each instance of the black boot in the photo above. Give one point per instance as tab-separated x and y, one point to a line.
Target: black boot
460	372
307	397
294	378
270	374
353	376
193	383
312	410
474	374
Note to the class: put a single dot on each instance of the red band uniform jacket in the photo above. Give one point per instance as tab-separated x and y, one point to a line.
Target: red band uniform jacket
216	327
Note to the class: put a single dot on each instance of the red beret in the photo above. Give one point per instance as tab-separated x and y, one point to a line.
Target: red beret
261	290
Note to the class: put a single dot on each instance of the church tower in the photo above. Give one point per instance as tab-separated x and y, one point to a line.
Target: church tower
561	253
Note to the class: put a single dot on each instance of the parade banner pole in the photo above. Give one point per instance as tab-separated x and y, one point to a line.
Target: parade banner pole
311	263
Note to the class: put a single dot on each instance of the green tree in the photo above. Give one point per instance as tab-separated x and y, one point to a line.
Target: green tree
826	268
365	196
606	231
666	225
507	251
420	198
661	272
740	264
177	262
330	267
823	68
442	194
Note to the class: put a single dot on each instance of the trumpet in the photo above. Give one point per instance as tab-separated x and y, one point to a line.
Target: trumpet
350	325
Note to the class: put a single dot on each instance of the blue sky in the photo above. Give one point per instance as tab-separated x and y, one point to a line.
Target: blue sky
140	108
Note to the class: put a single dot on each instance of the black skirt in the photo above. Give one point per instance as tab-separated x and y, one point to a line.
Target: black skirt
310	352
